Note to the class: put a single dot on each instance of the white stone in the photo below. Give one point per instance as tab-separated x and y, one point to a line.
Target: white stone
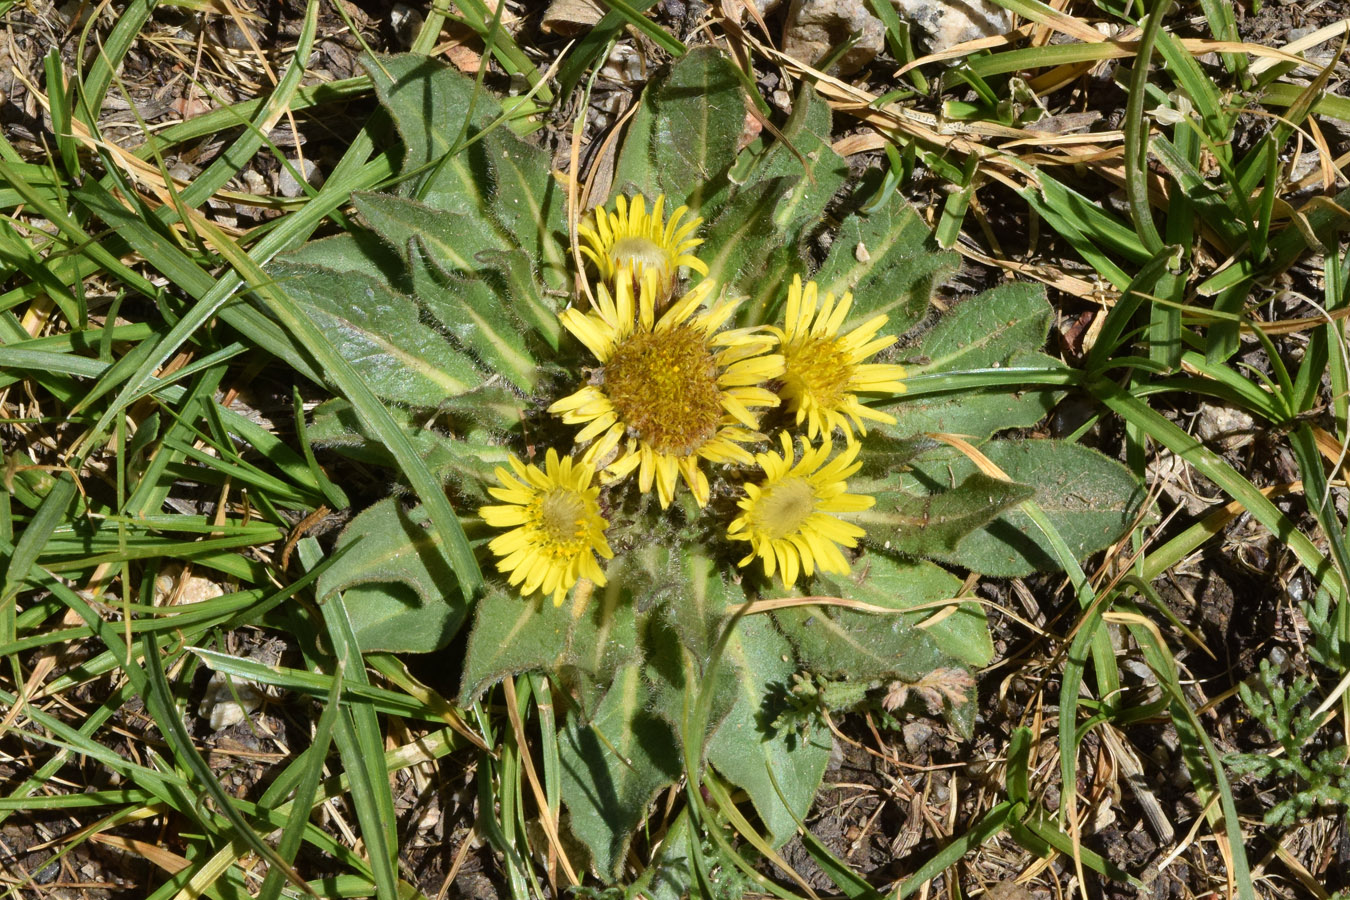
949	24
1225	426
287	184
219	706
570	17
814	27
624	65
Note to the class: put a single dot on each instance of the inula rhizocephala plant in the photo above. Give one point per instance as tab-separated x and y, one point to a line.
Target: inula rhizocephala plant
720	387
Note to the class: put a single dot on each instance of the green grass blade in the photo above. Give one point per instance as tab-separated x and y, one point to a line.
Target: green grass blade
112	797
988	825
1222	24
1321	501
235	157
22	255
111	49
1120	316
1046	833
230	116
347	176
588	50
315	684
954	208
548	742
160	701
312	765
70	230
486	22
1160	661
1213	467
1094	234
1323	103
31	543
1215	118
1136	127
360	744
633	16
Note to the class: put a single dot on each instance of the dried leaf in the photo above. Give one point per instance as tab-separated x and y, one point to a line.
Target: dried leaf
953	685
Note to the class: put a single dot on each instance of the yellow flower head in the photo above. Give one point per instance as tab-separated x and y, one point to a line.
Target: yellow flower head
671	391
633	241
789	517
825	370
555	522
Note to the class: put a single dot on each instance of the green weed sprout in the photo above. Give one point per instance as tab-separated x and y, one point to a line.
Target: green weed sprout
1309	783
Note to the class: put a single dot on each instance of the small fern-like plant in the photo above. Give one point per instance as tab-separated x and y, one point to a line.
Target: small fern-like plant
1314	781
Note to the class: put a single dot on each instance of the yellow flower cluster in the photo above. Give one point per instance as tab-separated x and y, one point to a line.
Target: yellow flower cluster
675	389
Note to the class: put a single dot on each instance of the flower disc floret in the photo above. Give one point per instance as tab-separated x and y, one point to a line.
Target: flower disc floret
555	522
670	392
825	371
791	517
631	240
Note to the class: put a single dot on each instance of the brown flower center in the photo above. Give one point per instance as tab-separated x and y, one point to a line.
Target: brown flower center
663	385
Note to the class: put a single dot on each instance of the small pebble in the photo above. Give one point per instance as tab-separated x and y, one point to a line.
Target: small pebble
1227	426
288	186
219	706
949	24
916	735
815	27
